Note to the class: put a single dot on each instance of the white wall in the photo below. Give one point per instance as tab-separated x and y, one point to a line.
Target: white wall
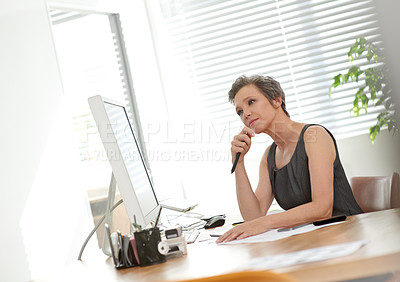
389	20
30	92
361	158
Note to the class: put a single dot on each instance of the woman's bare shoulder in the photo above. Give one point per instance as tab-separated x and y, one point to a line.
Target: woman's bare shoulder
316	134
317	140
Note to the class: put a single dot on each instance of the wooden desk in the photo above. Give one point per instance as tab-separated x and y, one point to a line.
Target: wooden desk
381	255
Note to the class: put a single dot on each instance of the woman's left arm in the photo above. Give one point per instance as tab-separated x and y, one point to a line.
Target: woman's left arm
321	153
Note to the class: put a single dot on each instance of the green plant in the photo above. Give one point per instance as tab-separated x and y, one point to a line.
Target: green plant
373	89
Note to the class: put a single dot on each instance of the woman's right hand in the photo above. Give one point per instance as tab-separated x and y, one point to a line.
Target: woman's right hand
241	143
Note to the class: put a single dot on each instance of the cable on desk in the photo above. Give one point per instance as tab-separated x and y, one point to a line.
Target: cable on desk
95	228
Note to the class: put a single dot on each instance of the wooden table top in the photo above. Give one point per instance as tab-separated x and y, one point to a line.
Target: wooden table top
379	256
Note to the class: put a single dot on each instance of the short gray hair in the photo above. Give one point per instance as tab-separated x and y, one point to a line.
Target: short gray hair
268	86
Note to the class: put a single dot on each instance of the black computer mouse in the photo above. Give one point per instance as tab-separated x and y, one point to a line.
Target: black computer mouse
215	221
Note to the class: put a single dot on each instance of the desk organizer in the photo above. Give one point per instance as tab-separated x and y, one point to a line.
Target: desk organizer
143	248
146	247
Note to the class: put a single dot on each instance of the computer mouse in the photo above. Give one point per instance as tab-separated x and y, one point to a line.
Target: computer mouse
215	221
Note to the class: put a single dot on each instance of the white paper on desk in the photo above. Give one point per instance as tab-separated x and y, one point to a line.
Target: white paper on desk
305	256
273	234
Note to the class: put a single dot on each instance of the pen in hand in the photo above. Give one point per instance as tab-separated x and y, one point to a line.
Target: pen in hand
235	162
238	154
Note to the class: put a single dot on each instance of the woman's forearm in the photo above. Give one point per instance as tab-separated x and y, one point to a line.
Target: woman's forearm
311	211
248	203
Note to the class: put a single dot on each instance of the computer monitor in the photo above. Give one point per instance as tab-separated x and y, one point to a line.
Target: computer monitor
126	160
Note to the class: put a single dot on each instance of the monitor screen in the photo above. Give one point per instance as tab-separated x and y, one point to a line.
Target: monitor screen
126	160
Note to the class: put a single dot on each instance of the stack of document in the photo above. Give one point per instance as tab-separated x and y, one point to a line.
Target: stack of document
305	256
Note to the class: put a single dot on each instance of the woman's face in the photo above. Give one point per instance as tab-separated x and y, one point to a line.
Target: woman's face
254	109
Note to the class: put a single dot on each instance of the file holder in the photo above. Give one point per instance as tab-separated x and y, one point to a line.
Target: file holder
123	255
140	249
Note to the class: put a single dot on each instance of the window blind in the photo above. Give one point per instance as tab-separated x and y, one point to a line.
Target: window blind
93	61
302	44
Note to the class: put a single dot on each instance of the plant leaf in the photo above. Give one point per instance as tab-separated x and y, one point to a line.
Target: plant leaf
356	107
373	131
374	85
337	80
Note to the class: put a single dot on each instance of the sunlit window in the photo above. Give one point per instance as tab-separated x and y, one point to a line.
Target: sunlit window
302	44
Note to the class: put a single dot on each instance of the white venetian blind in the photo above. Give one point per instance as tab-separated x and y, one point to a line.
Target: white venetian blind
93	61
302	44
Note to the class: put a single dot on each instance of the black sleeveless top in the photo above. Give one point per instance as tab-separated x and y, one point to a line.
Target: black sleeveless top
291	184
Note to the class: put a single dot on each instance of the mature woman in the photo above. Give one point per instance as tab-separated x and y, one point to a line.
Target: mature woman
301	169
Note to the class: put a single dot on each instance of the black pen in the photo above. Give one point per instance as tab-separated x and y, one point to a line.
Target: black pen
317	223
238	155
158	217
236	223
330	220
235	162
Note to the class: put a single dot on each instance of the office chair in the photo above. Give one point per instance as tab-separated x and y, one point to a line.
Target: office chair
395	191
377	192
254	276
